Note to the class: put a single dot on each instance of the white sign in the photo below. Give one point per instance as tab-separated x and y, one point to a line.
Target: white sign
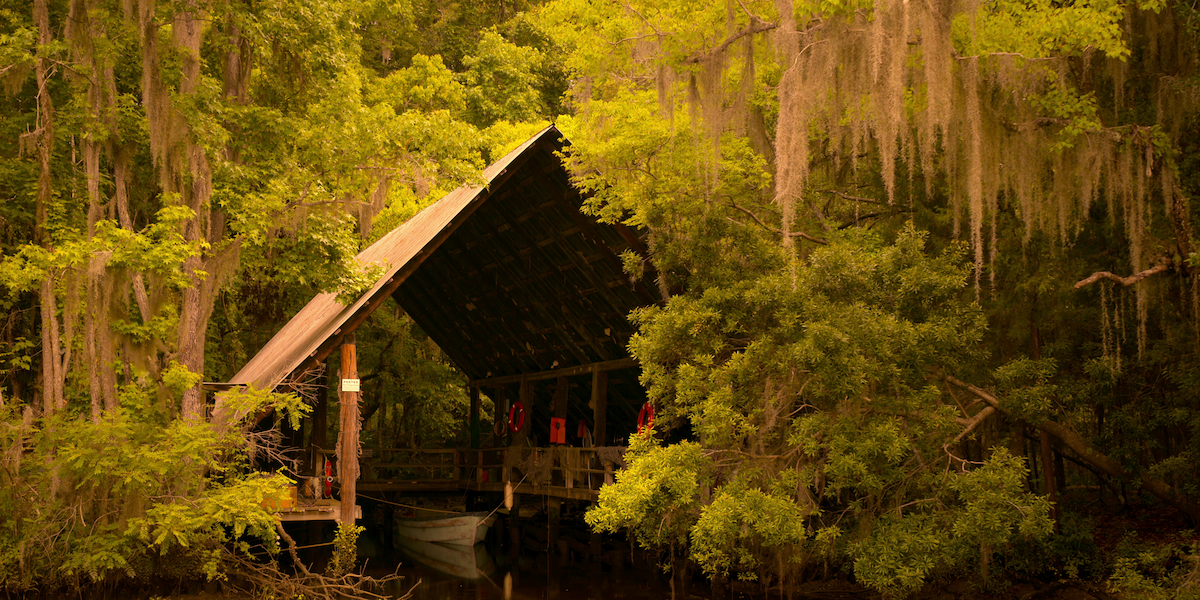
350	385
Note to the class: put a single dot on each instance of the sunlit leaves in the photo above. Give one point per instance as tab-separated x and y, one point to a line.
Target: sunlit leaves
1042	28
741	518
655	495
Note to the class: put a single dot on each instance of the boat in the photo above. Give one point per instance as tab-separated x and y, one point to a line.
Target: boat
457	560
466	529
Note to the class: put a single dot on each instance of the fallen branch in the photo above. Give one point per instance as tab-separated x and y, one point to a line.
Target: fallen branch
1159	488
1132	279
265	576
973	422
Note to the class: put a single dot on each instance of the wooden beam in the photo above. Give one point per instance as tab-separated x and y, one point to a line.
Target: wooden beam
608	365
348	434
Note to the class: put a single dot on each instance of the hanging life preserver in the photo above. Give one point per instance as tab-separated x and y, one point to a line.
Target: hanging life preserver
582	430
328	479
516	417
645	417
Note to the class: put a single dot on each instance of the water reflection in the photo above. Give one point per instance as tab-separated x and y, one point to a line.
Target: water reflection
474	573
456	561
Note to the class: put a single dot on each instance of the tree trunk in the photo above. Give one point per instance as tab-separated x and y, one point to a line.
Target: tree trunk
52	378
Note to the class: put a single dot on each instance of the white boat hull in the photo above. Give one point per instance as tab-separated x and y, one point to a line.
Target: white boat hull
466	529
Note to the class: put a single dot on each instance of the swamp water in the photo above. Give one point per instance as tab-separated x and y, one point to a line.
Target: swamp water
492	571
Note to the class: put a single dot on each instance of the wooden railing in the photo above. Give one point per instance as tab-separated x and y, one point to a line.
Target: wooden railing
558	470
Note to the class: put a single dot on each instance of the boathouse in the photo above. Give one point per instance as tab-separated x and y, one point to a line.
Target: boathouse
527	297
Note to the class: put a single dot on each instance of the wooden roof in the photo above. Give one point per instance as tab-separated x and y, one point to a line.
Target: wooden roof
507	279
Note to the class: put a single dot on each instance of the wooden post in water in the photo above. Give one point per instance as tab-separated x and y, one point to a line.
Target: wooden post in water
349	426
514	529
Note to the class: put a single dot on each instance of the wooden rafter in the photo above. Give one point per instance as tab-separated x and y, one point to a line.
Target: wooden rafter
608	365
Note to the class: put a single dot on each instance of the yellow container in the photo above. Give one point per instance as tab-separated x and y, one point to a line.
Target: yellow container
286	500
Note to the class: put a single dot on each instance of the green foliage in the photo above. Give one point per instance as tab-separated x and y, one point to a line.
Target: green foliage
742	522
345	550
1042	29
811	395
178	378
655	495
983	508
503	81
124	496
1167	571
1027	388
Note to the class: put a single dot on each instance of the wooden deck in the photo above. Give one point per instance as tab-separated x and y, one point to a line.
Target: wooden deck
557	472
316	510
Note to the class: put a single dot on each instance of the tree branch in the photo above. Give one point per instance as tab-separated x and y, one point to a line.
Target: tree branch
756	25
874	215
973	422
799	234
1126	281
291	548
846	196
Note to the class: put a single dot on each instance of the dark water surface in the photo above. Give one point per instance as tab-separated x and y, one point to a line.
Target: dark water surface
533	576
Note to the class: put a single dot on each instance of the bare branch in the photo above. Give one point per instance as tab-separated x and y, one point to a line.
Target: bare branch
756	25
291	548
1132	279
799	234
846	196
874	215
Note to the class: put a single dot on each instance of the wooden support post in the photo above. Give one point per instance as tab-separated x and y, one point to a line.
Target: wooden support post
500	411
561	390
599	405
473	423
348	432
525	397
514	528
561	387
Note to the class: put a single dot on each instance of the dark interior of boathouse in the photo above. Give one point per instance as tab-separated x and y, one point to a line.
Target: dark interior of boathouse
528	298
